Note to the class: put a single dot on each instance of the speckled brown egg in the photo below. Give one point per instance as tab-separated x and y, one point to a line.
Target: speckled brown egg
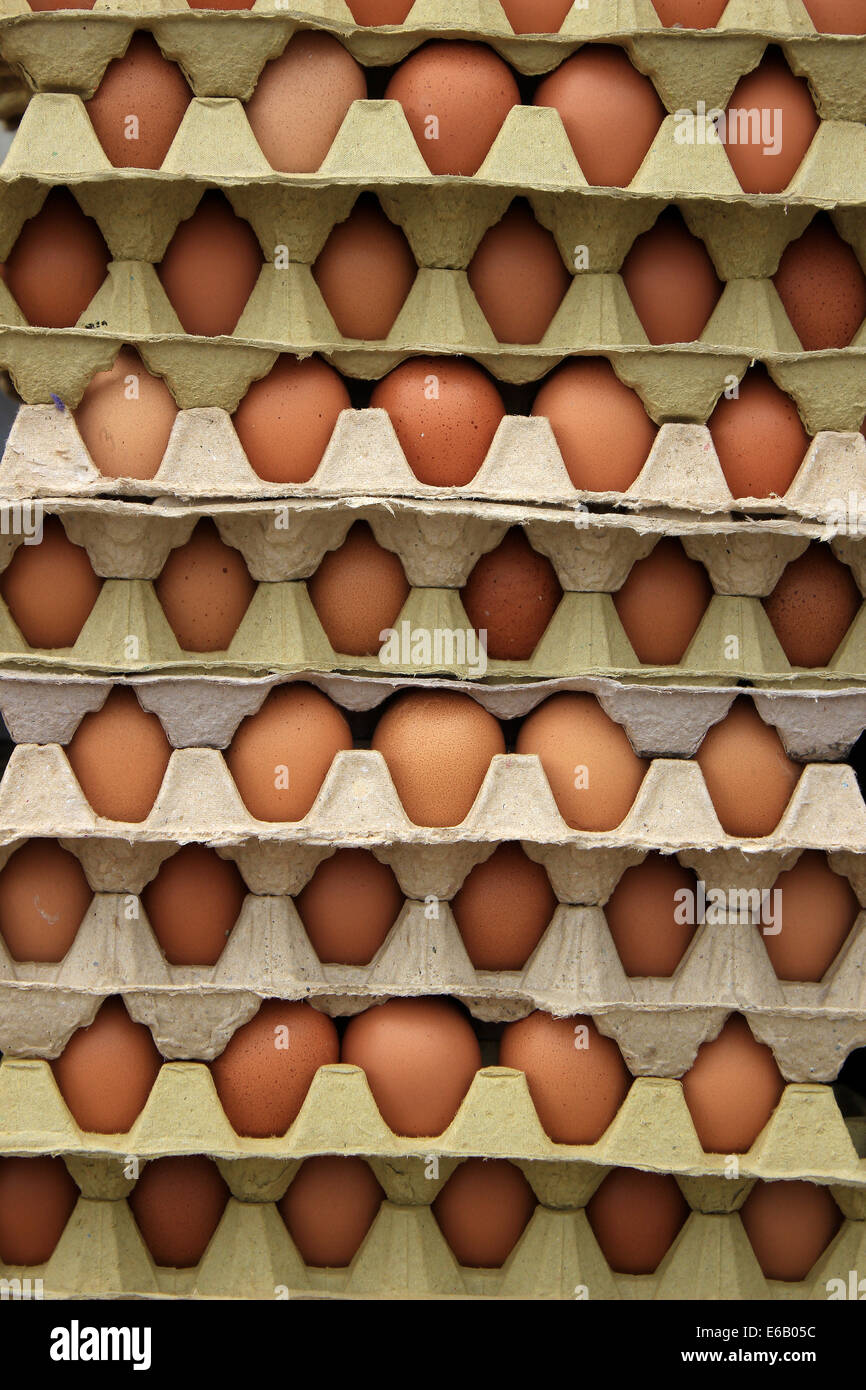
178	1203
512	595
749	776
759	437
37	1198
690	14
205	589
329	1207
518	277
263	1075
822	287
766	160
601	426
662	602
837	16
818	910
365	271
357	592
192	905
125	418
645	917
301	99
576	1077
119	755
731	1089
636	1217
57	264
50	588
106	1071
210	268
789	1225
536	16
348	907
138	106
813	605
285	421
503	909
671	281
379	11
280	756
43	898
483	1210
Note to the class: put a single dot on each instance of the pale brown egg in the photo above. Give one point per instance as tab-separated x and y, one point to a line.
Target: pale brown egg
50	588
420	1056
759	437
813	605
645	917
818	908
438	745
357	592
205	589
671	281
210	268
57	264
263	1075
789	1225
662	602
636	1217
749	776
576	1076
511	595
503	909
329	1207
822	287
379	11
483	1210
119	754
365	271
690	14
593	771
43	898
301	100
280	756
445	412
536	16
285	421
138	106
348	907
766	159
603	431
125	418
37	1198
837	16
107	1071
518	277
731	1089
178	1203
192	905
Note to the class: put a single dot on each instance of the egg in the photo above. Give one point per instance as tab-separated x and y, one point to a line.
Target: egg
766	160
329	1207
204	589
671	281
37	1198
358	591
818	908
759	438
285	421
536	16
643	918
41	6
731	1089
138	106
57	264
119	755
365	271
301	99
576	1077
748	775
812	606
106	1071
503	909
662	603
456	97
263	1075
348	907
438	745
445	412
125	418
822	287
280	756
483	1210
690	14
518	277
511	596
220	4
593	771
611	112
420	1057
379	11
636	1217
789	1225
50	588
603	431
192	905
210	268
836	16
43	898
178	1203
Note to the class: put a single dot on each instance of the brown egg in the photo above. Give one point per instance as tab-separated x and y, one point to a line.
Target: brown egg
518	277
611	112
106	1071
348	907
138	106
662	602
285	421
813	605
822	287
483	1210
576	1076
593	771
57	264
43	898
438	745
766	160
301	100
512	595
837	16
603	431
263	1076
178	1203
789	1225
749	776
636	1217
205	589
125	419
456	97
503	909
192	905
420	1057
119	754
41	6
329	1207
671	281
365	271
357	592
759	438
37	1198
732	1088
818	910
210	268
50	588
536	16
379	11
690	14
643	917
445	412
280	756
220	4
